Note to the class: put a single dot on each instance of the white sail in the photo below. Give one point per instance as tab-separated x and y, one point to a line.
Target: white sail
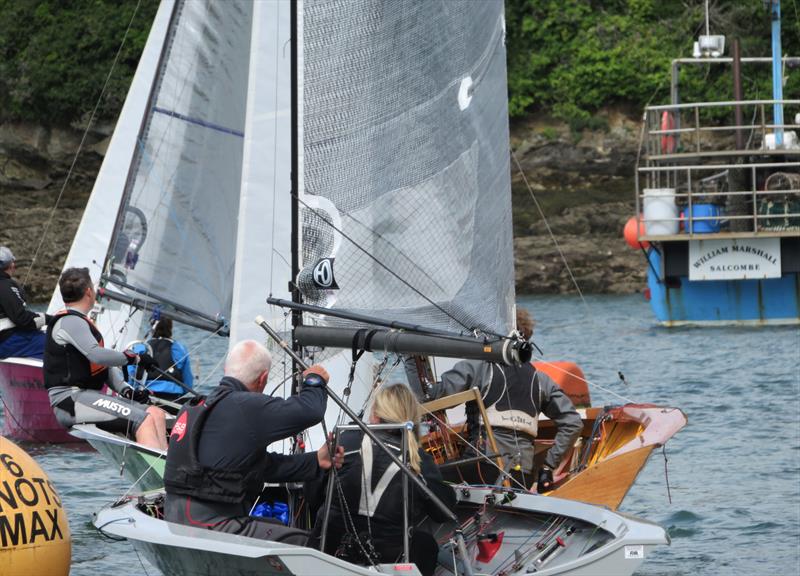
91	242
263	247
175	239
406	135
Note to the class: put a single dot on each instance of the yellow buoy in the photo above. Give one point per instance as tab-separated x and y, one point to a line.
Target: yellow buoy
34	534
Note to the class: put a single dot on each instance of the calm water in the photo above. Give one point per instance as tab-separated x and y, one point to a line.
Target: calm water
734	471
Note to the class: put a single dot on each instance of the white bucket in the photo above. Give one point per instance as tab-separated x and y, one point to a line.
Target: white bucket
660	211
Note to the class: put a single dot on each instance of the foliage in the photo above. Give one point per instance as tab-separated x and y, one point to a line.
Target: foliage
55	56
568	57
572	57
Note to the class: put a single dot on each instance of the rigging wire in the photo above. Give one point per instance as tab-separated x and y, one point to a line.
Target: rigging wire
549	230
375	259
588	382
477	451
80	145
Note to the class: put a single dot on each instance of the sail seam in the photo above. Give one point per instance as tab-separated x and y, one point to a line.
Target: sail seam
198	122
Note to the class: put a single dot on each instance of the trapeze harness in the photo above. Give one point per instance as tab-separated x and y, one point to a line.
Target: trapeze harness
513	401
66	365
162	354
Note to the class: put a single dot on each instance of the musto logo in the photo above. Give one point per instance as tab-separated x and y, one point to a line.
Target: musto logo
113	406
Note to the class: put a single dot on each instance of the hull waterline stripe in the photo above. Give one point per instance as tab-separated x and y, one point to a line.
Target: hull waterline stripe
198	122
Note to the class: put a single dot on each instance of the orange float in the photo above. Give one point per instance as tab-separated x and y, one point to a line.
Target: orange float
631	233
570	379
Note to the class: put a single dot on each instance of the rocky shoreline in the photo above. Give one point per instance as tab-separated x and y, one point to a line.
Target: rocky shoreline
584	186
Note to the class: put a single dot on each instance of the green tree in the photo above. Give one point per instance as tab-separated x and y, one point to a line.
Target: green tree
55	56
572	57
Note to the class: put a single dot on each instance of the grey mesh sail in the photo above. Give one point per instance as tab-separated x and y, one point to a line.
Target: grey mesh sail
405	132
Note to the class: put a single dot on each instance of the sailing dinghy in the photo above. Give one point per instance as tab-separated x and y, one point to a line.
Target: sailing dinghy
374	185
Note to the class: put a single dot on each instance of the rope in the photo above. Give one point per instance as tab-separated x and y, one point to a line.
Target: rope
666	471
549	230
589	382
80	146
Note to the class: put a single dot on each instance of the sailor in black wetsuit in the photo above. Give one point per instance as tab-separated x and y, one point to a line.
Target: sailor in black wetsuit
366	517
217	461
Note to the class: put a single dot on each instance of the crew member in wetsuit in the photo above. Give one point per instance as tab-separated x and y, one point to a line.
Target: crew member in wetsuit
20	327
172	363
370	530
217	462
77	366
514	397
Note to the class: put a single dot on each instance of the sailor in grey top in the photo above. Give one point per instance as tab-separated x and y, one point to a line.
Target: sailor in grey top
514	397
74	403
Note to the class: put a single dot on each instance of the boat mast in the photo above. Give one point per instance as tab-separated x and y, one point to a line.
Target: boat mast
777	79
297	318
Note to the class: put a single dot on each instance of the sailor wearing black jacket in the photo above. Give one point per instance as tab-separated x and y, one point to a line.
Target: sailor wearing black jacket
369	528
217	461
20	327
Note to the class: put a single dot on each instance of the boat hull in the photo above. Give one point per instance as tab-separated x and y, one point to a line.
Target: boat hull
28	416
142	466
684	302
586	540
603	475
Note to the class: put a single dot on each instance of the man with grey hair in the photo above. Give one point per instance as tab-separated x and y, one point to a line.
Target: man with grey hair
20	327
217	461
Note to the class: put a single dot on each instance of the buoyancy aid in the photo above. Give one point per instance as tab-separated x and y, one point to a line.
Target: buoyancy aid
512	399
184	474
66	365
162	354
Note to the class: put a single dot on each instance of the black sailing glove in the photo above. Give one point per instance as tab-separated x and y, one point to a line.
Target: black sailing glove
141	395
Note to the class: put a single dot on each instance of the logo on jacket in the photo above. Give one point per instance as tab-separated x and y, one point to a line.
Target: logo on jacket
323	274
179	430
113	406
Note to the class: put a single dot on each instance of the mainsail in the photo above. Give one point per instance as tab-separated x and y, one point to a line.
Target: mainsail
405	146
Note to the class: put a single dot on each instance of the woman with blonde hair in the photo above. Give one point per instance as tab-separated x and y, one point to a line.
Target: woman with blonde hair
366	515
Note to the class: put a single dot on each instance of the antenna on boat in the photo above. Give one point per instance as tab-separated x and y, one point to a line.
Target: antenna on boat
708	45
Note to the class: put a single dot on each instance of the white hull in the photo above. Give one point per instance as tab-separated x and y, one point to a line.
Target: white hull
597	542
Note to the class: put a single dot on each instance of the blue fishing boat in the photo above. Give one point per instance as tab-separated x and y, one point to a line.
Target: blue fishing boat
718	197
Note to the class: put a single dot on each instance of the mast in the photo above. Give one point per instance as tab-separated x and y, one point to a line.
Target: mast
777	79
297	318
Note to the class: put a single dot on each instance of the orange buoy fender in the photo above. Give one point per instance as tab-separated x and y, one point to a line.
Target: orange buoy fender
570	378
34	533
631	233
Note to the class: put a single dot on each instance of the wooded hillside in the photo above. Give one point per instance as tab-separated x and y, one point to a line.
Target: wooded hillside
566	57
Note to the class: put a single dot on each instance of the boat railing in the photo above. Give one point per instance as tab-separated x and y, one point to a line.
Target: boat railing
677	131
705	178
